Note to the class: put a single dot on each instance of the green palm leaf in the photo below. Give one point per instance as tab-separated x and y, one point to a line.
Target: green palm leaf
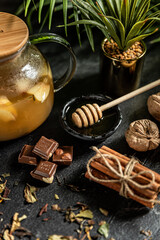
41	2
51	8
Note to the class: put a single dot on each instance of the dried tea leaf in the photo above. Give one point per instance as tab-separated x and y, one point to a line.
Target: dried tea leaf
6	192
74	188
146	233
22	218
61	237
82	205
70	216
43	209
30	193
6	175
104	229
85	214
56	196
46	219
2	186
55	207
22	232
103	211
91	222
7	235
15	223
87	230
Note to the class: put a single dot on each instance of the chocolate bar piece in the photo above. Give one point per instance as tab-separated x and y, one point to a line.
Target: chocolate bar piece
45	171
45	147
63	155
27	156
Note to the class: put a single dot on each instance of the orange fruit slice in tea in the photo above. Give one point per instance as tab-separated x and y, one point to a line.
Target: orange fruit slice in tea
40	91
7	111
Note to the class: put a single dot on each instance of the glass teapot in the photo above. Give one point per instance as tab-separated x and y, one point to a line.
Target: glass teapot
26	84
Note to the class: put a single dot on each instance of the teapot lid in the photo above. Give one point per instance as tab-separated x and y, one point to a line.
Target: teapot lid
13	34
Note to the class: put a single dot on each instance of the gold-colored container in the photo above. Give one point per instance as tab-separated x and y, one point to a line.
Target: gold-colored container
120	77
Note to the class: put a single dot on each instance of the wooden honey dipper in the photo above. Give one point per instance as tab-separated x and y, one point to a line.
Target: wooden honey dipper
89	114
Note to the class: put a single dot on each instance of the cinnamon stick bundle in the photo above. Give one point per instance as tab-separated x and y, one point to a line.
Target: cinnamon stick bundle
139	183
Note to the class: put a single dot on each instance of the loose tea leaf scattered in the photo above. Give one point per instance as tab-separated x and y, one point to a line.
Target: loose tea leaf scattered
82	205
56	196
60	237
2	186
104	229
85	214
43	209
30	193
103	211
6	175
22	218
7	235
55	207
15	223
146	233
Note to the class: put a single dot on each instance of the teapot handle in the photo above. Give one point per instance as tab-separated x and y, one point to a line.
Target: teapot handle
52	37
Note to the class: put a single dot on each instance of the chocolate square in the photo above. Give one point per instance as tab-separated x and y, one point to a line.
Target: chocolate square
45	147
26	156
63	155
45	171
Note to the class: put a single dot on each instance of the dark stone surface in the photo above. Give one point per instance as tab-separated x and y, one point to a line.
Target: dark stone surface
126	217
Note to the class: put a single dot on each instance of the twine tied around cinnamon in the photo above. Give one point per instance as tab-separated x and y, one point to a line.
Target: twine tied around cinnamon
124	178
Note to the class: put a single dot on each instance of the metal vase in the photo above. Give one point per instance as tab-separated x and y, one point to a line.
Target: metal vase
120	77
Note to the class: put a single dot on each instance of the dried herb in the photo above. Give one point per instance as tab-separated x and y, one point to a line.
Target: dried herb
7	235
15	223
103	211
43	209
30	193
146	233
56	196
22	218
74	188
59	181
6	192
6	175
55	207
85	214
104	229
60	237
70	216
46	219
23	232
82	205
2	186
87	230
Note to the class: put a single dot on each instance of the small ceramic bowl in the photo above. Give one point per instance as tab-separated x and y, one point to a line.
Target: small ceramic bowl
100	130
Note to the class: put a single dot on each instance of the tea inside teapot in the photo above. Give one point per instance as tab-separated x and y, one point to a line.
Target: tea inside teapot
26	83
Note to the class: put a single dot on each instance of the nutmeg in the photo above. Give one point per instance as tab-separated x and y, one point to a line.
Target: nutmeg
143	135
154	105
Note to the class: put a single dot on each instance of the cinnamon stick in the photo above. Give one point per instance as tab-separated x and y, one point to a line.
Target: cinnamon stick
116	187
98	166
138	167
140	178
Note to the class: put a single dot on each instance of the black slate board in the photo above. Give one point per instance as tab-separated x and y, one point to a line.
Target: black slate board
126	217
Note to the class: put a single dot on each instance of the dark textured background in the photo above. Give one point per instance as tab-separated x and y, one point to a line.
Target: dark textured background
126	217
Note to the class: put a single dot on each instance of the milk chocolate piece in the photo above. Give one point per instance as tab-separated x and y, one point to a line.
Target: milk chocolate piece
45	171
45	147
63	155
27	156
